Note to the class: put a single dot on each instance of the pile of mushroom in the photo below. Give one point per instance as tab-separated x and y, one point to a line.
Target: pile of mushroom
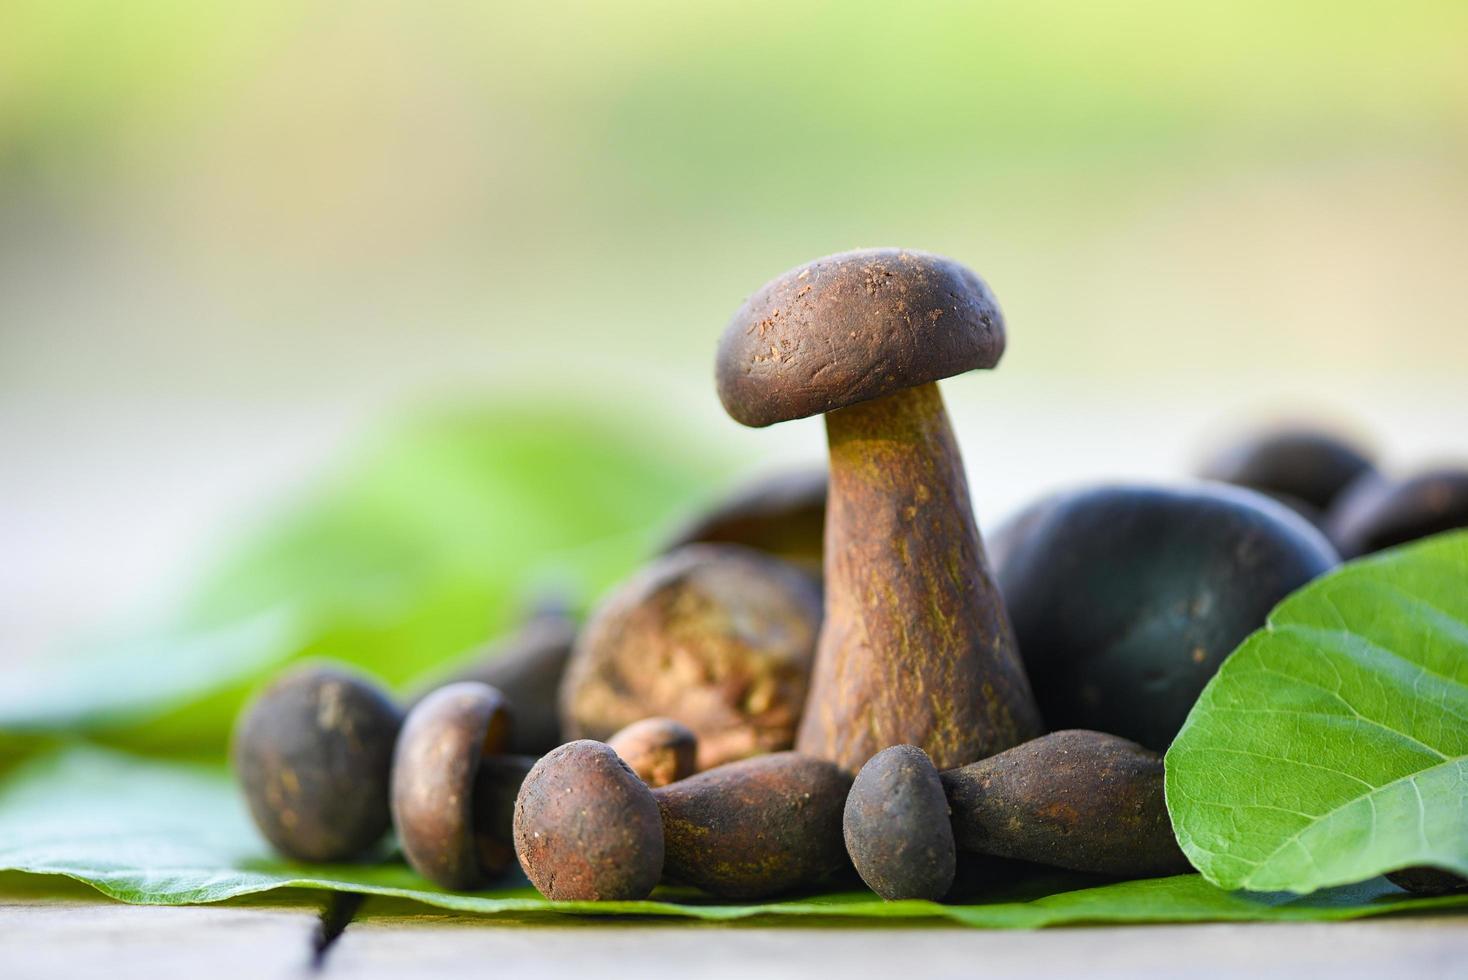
823	673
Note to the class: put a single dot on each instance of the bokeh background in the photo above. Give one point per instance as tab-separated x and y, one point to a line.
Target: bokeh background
238	238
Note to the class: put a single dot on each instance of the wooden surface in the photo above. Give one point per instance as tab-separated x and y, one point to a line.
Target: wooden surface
53	929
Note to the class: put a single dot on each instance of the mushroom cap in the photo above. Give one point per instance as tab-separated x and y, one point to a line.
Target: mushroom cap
852	327
586	828
896	826
1375	512
437	760
659	750
1125	598
312	753
1291	464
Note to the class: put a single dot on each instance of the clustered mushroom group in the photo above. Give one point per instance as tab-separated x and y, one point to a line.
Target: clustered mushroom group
827	670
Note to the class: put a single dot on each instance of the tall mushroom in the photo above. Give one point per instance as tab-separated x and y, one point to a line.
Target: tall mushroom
916	647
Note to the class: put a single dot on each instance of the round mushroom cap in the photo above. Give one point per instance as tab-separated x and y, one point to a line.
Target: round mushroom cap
852	327
1126	598
313	752
586	828
896	826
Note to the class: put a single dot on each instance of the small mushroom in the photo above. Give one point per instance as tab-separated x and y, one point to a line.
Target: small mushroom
312	753
659	750
1127	598
1377	513
747	829
1304	468
586	828
526	667
756	827
1072	799
450	786
915	647
783	514
896	826
718	637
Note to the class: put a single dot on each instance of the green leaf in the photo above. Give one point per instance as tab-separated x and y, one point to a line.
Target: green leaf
170	833
416	552
1332	746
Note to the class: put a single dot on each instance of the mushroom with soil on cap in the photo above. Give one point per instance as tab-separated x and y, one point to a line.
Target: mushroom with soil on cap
916	647
716	636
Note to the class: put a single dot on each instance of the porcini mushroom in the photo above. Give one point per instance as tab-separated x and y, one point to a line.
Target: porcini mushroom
1303	468
1126	598
916	647
1376	513
452	794
312	753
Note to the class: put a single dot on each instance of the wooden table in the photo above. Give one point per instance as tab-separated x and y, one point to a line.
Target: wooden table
51	928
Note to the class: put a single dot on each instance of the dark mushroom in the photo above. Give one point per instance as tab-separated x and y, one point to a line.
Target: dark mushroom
659	750
757	827
915	647
1127	598
1304	468
526	667
450	785
1073	799
312	753
783	514
586	828
1377	513
896	826
1428	881
718	637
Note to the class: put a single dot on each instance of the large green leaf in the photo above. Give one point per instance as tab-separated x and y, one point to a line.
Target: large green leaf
156	832
1333	744
419	550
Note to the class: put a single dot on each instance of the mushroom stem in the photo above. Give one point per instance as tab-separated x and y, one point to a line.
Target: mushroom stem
916	647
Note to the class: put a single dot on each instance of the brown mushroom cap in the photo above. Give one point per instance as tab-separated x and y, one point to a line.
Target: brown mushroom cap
852	327
312	753
586	828
437	761
659	750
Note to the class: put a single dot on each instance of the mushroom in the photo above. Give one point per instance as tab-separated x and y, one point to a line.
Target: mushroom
1377	513
312	753
718	637
1428	881
1080	800
452	790
915	647
1303	468
896	826
659	750
1126	598
747	829
586	828
783	514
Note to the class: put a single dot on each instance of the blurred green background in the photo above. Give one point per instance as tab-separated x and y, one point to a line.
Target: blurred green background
236	237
